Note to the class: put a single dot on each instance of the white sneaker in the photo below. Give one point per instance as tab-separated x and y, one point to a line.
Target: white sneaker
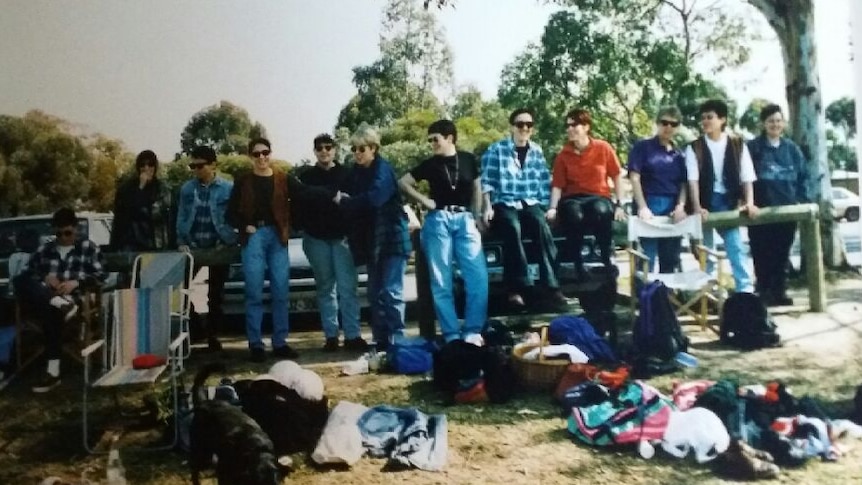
66	305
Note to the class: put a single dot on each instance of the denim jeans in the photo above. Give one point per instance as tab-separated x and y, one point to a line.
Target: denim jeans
513	226
335	277
667	248
447	236
386	298
264	251
732	245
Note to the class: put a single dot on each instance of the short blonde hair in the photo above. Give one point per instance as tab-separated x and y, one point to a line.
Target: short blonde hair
366	135
670	111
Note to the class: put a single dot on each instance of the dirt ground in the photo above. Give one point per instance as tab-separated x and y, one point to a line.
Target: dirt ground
524	441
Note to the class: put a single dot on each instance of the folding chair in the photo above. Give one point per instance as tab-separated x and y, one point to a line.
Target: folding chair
141	324
692	290
174	269
28	345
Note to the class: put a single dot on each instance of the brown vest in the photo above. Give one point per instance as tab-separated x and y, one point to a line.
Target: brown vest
280	205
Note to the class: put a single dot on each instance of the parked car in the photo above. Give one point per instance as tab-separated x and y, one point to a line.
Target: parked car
91	225
845	204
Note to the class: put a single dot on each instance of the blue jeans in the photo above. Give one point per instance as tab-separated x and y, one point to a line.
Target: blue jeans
335	278
667	248
263	251
386	298
733	246
448	235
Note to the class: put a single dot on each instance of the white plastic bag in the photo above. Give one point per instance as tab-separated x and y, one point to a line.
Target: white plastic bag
341	441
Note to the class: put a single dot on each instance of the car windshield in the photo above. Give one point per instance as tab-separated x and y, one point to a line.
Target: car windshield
25	235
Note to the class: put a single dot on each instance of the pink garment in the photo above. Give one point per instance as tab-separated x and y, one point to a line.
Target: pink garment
686	393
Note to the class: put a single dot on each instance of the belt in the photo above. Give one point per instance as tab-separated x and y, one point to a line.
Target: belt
454	208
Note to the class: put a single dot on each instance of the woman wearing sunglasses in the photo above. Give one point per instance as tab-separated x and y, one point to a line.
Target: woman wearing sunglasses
259	207
378	234
142	209
580	191
657	172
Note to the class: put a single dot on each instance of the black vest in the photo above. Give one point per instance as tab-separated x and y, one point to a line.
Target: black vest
729	173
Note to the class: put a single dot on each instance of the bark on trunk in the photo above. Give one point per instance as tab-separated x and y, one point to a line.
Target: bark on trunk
793	21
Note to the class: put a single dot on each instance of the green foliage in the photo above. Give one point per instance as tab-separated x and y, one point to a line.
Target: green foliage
842	114
693	93
225	127
404	155
412	127
45	164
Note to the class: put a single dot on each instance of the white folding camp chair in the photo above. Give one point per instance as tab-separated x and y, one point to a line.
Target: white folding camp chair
140	325
691	290
174	269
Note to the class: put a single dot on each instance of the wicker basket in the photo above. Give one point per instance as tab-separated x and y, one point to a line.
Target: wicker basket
541	374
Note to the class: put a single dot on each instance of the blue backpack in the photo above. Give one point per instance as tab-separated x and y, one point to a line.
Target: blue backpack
411	356
657	336
579	332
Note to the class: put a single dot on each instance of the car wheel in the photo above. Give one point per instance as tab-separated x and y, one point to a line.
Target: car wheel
852	214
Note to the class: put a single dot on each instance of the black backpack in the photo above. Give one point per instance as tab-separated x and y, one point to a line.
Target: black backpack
745	323
657	336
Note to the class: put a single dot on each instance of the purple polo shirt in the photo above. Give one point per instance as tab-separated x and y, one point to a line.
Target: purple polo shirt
662	170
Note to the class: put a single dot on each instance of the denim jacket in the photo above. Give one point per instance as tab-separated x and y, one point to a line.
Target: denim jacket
218	201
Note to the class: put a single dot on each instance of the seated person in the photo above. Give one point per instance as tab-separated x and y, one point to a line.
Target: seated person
51	285
515	183
580	191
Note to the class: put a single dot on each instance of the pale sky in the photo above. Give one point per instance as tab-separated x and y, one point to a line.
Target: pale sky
138	70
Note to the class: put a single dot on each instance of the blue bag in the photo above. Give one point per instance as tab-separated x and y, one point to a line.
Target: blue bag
579	332
411	356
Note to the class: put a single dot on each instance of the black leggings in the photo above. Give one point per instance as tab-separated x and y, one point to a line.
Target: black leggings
587	214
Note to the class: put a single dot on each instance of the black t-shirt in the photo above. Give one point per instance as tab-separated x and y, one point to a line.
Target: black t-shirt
441	174
264	186
522	152
323	219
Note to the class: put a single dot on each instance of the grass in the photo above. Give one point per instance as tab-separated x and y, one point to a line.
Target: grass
523	441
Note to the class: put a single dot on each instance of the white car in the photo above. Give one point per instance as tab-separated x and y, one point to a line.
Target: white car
845	204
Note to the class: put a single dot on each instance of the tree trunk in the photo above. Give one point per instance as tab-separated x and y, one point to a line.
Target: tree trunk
793	21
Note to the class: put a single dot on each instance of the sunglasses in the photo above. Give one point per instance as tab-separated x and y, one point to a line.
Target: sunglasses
360	149
433	139
262	153
195	166
572	124
324	148
523	124
65	233
669	123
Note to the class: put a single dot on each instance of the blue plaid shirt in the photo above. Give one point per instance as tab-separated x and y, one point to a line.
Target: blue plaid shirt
511	185
203	230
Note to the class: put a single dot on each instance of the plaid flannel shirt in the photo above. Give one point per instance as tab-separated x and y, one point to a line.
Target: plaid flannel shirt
511	185
84	263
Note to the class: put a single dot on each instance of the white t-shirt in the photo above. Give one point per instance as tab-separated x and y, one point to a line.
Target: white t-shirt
717	149
64	250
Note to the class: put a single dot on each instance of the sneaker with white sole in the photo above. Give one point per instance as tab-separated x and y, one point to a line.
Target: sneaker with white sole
46	383
66	306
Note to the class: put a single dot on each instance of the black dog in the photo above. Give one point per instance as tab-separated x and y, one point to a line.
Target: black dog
245	453
294	424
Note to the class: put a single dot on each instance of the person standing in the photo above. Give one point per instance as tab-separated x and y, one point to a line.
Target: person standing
52	284
782	179
657	173
202	224
259	208
142	209
720	175
580	188
516	187
450	229
378	235
325	244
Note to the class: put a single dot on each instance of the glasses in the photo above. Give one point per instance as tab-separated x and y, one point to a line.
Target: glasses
523	124
571	124
671	123
708	116
195	166
324	148
65	233
262	153
360	149
433	139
